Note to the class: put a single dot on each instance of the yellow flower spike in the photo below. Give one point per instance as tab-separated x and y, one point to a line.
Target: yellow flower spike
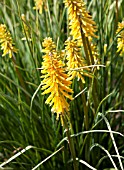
120	40
79	18
55	81
39	5
6	41
75	60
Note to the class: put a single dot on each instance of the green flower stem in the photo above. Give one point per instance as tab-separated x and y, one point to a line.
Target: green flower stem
85	45
85	107
117	14
71	143
90	51
20	78
90	60
94	82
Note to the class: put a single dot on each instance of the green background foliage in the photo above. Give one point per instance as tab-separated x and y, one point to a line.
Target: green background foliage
25	120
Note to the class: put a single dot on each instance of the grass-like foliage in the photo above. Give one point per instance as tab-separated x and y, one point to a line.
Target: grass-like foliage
62	84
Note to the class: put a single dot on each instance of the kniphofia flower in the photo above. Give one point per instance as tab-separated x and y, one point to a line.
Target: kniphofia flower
120	40
79	19
75	61
39	5
55	80
6	41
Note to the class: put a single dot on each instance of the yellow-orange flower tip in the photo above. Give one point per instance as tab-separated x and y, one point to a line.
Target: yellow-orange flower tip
55	80
49	45
120	39
6	41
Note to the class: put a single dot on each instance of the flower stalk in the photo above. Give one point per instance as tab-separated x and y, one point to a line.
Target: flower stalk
71	142
90	61
56	82
21	80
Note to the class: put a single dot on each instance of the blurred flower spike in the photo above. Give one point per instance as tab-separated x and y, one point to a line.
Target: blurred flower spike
6	41
55	80
120	40
39	5
26	30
